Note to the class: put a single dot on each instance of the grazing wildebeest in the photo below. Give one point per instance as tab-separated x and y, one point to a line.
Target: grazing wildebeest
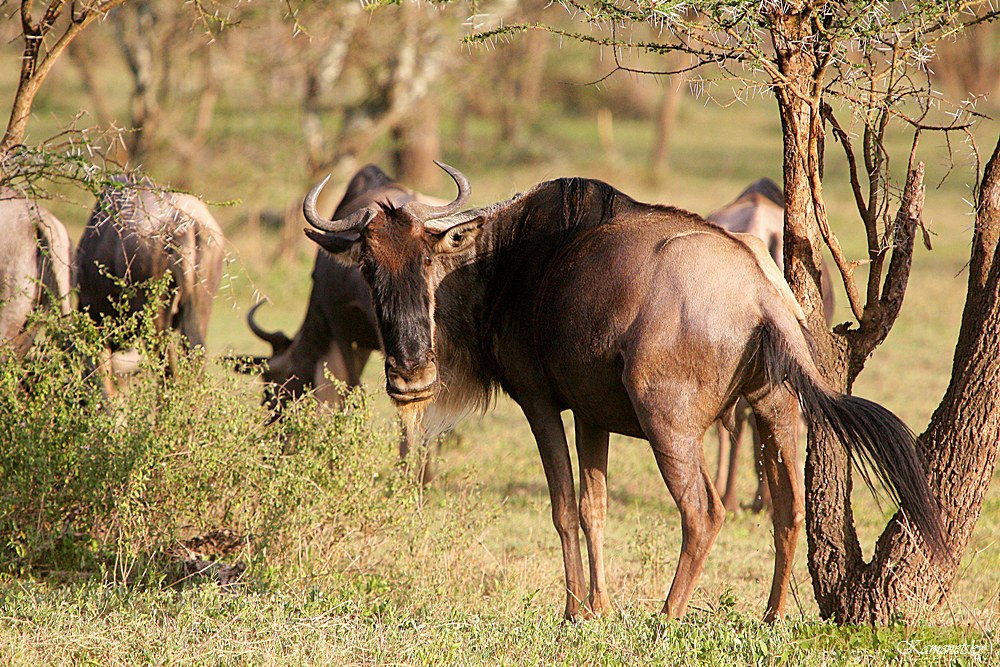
34	268
138	233
643	320
760	211
339	331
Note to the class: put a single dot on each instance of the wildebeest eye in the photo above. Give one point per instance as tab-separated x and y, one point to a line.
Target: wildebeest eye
455	239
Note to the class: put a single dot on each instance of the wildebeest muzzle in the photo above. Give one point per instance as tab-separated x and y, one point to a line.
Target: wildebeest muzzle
411	381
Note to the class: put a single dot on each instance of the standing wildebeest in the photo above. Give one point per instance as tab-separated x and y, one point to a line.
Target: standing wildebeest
760	211
34	267
137	233
641	319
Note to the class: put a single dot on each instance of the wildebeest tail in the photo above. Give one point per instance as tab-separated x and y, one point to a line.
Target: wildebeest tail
877	441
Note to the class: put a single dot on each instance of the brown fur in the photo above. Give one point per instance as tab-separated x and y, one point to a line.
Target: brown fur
759	211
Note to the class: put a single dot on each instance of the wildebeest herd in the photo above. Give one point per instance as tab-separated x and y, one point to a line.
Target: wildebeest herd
641	319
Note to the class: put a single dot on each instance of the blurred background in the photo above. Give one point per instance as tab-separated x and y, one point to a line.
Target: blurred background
249	108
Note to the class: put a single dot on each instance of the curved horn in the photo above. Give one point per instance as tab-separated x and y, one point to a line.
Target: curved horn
355	221
277	340
427	212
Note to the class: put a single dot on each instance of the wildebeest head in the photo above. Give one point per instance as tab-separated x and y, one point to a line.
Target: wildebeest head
404	252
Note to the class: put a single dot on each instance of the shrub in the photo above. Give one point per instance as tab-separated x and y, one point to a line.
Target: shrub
120	485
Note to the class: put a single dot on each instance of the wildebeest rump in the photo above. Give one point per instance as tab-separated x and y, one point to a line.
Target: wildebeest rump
34	268
137	233
643	320
759	211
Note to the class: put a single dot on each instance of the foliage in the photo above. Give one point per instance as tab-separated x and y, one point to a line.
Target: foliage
97	484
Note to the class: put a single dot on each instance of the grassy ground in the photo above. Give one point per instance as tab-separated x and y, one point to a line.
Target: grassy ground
468	570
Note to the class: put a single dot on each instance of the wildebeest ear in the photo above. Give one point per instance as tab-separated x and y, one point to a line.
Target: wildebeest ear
459	237
334	243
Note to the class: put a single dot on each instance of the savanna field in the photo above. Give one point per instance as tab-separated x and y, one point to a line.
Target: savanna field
348	560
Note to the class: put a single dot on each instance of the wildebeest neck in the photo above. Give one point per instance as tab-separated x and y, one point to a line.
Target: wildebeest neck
487	305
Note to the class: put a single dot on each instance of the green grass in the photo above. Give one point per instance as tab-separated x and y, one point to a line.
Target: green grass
90	625
469	570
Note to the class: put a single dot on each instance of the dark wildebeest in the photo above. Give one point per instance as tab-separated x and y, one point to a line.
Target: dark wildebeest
339	331
137	233
641	319
34	268
758	210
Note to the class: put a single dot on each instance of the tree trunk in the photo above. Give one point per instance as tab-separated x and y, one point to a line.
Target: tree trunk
834	550
666	117
135	30
959	447
417	145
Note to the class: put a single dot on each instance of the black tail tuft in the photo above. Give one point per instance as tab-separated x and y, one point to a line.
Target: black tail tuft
876	439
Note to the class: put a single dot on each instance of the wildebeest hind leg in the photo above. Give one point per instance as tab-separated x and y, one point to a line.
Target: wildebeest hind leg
732	442
592	450
777	414
762	496
550	436
681	460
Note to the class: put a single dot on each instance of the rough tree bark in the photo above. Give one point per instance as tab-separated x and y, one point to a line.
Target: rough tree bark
960	446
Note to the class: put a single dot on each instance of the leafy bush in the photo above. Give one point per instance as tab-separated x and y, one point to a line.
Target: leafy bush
118	485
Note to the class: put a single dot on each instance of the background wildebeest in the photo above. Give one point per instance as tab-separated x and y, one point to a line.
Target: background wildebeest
339	330
760	211
643	320
34	267
137	233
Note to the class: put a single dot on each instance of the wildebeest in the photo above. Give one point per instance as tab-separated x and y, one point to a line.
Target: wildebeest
339	331
34	268
643	320
137	233
760	211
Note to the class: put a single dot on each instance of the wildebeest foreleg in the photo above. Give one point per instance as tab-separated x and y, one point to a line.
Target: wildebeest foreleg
592	449
777	417
550	436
